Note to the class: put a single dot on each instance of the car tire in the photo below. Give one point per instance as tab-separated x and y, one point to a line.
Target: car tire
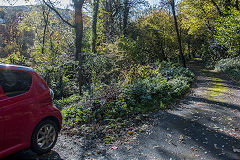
44	137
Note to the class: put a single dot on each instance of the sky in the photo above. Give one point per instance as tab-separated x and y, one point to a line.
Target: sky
31	2
23	2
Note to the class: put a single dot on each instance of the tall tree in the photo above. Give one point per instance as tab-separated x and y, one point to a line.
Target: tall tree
78	27
94	25
46	21
172	3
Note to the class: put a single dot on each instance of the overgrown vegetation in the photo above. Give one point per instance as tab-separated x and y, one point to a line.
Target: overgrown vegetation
229	66
117	59
145	89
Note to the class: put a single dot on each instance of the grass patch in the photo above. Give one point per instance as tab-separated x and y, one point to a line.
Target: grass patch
218	88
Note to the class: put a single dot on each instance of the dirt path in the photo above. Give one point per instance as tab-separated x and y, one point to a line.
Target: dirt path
204	125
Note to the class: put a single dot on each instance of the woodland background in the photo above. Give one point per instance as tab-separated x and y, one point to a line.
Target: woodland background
107	60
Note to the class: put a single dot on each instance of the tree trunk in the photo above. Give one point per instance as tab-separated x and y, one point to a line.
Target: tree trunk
61	83
78	30
78	27
178	35
45	18
78	41
190	52
94	25
125	16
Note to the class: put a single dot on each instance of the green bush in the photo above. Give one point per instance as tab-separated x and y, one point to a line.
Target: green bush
74	114
227	33
61	103
179	86
146	94
58	75
144	89
230	66
175	72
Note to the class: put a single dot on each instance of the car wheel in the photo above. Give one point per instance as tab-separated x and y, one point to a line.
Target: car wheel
44	137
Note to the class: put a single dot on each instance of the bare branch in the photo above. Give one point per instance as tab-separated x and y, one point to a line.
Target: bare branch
54	9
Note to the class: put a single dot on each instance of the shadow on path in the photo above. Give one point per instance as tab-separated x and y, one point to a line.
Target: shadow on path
29	155
200	127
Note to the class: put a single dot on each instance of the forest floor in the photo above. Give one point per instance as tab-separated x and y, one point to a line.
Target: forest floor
203	125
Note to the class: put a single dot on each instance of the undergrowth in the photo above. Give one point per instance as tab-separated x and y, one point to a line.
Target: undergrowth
229	66
140	89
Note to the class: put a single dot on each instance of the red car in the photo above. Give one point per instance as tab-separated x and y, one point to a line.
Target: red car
28	118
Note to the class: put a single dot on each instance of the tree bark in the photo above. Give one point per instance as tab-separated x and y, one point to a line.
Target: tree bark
78	30
94	25
178	35
45	18
78	4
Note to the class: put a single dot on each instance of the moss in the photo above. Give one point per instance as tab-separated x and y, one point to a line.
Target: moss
217	89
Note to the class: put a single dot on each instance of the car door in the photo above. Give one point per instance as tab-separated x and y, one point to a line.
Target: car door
2	97
1	129
16	110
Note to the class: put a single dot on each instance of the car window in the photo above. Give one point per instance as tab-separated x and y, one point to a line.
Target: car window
14	83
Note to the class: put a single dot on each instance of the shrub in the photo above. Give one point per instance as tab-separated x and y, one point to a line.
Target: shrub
149	93
227	33
230	66
144	89
75	114
61	103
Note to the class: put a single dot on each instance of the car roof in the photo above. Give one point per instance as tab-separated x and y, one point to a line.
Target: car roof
23	68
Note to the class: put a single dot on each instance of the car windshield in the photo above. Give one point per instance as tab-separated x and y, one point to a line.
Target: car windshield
14	83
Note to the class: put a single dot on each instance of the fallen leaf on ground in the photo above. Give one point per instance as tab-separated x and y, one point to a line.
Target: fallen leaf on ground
174	144
99	151
169	135
196	155
129	147
181	139
233	111
155	147
215	145
114	147
193	149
